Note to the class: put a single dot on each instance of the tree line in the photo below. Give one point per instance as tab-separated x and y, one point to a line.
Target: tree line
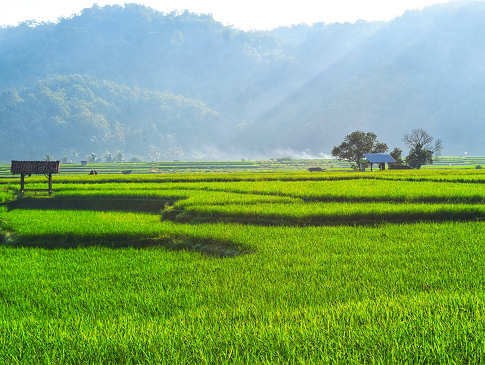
358	143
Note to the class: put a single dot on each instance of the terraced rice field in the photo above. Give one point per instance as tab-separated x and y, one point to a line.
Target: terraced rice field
184	166
245	267
281	165
458	162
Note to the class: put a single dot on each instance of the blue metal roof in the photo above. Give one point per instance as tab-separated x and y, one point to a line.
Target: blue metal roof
379	158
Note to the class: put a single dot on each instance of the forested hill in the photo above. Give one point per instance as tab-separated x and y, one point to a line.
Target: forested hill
182	85
73	116
185	54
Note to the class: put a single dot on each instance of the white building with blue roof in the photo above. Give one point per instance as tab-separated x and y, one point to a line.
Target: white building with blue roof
382	159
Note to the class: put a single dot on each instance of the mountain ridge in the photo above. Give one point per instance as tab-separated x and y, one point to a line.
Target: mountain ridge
297	89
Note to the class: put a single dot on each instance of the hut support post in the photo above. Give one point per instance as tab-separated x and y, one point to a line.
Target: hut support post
371	166
50	184
22	183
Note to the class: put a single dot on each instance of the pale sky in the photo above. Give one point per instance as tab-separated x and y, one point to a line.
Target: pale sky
243	14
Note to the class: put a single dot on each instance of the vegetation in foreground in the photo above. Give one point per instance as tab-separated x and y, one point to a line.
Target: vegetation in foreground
256	268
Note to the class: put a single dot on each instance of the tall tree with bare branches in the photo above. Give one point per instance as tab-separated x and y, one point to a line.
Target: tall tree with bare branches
421	147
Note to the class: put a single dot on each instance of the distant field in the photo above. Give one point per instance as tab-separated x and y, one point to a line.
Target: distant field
457	162
177	167
442	162
274	267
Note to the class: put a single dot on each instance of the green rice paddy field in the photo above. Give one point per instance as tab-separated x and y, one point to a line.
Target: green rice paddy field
282	164
332	267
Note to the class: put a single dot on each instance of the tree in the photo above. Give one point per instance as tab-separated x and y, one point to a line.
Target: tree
74	155
92	157
118	157
108	157
419	157
397	155
421	148
356	144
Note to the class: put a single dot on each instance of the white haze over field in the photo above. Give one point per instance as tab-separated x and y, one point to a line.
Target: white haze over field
247	14
211	153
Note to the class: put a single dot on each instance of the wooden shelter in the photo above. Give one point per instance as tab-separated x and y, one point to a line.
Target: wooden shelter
379	158
34	168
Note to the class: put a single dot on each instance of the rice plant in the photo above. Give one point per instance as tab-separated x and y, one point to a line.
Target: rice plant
245	268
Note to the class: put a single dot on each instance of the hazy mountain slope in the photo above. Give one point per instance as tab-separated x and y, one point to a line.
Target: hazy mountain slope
309	51
69	115
422	70
239	73
186	54
298	88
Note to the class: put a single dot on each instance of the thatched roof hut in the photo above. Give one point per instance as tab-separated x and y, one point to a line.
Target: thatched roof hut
35	167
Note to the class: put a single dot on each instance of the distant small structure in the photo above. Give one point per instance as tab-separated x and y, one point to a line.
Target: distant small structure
34	168
315	169
379	158
84	163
